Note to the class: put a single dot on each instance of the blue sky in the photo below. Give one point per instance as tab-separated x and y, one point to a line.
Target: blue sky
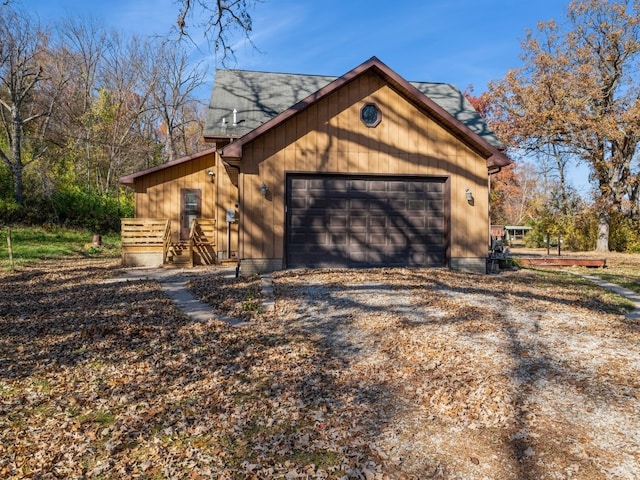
463	42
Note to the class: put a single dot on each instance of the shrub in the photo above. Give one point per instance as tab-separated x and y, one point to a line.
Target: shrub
624	234
99	213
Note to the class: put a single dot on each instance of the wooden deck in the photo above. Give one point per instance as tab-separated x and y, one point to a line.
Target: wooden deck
563	262
146	242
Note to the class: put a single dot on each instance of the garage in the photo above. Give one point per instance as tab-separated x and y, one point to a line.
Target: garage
366	221
363	170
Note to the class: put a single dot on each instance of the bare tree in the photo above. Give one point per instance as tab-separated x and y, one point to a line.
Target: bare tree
121	113
23	70
219	20
84	46
175	83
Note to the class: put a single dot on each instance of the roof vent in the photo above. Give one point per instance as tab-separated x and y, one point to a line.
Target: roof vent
235	117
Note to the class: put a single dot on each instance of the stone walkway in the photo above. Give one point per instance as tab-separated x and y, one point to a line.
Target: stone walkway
623	292
174	283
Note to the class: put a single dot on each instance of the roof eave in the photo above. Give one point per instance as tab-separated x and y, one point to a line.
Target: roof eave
130	179
493	156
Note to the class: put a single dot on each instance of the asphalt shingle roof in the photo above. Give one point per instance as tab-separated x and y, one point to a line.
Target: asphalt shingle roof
259	96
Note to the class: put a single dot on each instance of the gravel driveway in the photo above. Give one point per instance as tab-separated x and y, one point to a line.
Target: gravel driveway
354	374
468	376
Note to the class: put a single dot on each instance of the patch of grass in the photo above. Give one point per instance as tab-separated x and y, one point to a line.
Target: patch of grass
626	280
621	270
252	302
579	289
43	385
101	417
30	244
7	390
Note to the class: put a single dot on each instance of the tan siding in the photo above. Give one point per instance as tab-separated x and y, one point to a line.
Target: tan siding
158	193
226	198
330	137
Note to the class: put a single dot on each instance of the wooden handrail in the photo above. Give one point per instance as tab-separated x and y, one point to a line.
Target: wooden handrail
202	238
166	241
152	236
203	231
192	232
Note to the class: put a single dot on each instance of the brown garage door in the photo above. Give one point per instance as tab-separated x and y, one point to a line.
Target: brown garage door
366	221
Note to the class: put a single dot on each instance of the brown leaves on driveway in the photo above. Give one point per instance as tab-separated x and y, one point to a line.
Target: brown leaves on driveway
364	374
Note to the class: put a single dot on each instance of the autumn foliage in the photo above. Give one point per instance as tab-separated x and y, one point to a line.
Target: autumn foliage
577	95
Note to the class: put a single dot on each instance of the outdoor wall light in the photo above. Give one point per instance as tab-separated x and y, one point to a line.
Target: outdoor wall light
263	190
469	196
211	174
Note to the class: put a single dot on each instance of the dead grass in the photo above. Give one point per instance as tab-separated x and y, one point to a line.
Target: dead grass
622	269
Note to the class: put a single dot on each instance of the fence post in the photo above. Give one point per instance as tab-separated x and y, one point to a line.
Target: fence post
10	249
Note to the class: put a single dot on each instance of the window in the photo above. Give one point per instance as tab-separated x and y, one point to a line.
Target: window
370	115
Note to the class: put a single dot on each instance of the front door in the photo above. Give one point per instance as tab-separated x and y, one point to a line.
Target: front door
189	210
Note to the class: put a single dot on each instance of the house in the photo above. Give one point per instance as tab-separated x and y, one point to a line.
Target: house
366	169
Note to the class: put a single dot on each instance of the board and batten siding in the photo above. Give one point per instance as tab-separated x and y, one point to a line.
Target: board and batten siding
158	193
328	137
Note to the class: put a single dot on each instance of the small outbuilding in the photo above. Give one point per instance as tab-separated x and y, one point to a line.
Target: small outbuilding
363	170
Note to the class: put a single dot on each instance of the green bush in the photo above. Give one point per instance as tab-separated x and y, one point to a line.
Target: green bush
580	233
75	207
9	210
624	234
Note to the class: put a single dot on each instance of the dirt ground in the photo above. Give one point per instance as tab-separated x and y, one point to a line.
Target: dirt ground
363	374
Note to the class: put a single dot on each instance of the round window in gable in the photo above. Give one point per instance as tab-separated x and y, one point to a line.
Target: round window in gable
370	114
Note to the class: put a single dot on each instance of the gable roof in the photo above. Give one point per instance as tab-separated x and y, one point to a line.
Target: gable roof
257	97
130	179
261	98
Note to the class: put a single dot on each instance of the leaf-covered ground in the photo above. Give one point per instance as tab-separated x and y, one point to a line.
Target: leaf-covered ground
398	374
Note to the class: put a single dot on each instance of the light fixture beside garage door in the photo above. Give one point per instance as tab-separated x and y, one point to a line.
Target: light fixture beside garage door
370	115
469	196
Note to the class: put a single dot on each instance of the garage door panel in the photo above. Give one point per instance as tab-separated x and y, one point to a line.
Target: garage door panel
362	203
379	239
399	204
365	221
419	222
417	205
357	221
399	240
298	203
377	221
396	186
358	238
337	239
436	224
308	239
309	220
338	221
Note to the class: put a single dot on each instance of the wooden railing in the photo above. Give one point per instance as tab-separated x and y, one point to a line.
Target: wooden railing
145	241
202	240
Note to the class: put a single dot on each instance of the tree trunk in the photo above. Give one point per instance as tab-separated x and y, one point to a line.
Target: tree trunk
16	161
603	231
16	173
